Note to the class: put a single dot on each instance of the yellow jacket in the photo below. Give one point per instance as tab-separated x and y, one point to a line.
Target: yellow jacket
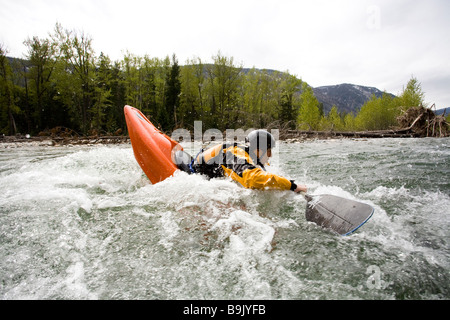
234	161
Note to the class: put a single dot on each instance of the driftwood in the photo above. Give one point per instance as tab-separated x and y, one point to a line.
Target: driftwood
90	140
304	135
63	140
413	123
66	136
424	122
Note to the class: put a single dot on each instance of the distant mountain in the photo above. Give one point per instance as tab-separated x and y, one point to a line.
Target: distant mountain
441	111
346	97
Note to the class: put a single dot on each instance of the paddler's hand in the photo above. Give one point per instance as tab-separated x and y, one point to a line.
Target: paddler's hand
300	189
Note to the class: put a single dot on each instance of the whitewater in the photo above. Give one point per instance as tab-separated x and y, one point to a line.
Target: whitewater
84	222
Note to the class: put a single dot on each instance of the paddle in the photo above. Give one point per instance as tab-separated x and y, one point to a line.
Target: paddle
341	215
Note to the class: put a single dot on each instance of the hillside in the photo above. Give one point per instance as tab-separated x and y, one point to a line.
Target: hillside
445	111
346	97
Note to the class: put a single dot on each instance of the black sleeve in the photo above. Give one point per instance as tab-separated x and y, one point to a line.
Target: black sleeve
293	185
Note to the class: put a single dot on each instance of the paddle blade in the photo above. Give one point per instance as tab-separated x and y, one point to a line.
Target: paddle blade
341	215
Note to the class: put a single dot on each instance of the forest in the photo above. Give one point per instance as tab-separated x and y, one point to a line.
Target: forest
61	82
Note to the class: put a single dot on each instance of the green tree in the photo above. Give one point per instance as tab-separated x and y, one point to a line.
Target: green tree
252	97
334	120
260	99
289	103
412	95
377	113
42	64
149	94
309	117
381	113
224	83
131	65
161	83
78	55
7	99
101	95
192	78
172	94
116	119
349	122
261	96
144	82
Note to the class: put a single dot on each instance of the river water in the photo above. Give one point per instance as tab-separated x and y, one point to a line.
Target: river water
85	223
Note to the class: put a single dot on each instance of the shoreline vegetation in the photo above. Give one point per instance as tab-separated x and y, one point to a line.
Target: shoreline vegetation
62	84
417	122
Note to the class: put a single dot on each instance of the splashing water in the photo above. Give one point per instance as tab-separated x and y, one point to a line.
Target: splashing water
85	223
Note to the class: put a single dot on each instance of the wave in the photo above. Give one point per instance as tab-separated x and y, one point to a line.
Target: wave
85	223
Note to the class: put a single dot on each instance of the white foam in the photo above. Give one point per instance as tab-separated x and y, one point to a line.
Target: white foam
248	234
169	229
75	282
77	222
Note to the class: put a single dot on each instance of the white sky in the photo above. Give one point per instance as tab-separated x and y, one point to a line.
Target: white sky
378	43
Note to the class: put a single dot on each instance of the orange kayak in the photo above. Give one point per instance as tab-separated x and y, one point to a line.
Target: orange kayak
152	148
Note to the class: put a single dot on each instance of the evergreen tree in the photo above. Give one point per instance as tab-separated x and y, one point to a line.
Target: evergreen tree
7	100
131	65
412	95
42	64
289	103
102	95
116	119
172	94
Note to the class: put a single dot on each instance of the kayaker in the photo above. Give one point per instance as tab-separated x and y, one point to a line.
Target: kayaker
244	163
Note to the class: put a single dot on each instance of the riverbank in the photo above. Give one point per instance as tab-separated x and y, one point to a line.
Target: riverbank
289	136
299	136
20	140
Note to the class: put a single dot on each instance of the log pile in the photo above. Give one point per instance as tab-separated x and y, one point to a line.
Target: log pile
423	122
59	136
66	136
298	136
414	122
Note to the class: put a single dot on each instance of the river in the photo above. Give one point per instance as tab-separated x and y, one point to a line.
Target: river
83	222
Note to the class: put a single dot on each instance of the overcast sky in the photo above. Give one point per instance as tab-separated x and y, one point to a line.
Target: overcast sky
377	43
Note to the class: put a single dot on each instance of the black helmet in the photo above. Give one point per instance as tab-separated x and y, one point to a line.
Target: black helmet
260	139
